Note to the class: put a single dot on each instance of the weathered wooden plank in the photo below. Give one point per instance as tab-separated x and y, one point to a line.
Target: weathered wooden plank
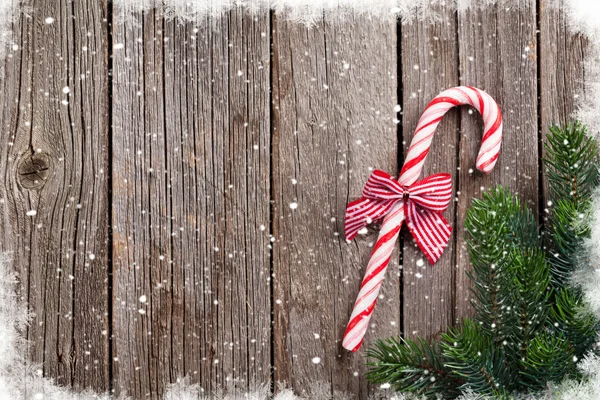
191	193
55	187
561	67
240	344
133	247
334	92
430	65
498	53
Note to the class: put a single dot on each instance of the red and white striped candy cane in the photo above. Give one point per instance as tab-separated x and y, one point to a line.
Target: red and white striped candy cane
411	170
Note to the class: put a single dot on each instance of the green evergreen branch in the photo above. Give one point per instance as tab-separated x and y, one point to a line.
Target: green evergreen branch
550	359
414	366
566	235
529	327
499	229
531	291
572	164
572	161
572	320
471	354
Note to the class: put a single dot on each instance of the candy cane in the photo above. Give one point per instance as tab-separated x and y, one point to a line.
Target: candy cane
385	197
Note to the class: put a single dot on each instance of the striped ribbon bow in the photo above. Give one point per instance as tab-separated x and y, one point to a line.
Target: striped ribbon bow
424	203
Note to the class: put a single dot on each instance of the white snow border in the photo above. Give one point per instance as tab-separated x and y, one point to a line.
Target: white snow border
17	374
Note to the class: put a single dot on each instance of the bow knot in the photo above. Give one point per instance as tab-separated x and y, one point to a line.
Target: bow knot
422	204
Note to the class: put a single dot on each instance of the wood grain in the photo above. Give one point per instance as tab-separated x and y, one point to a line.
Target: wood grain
498	53
334	92
54	191
191	202
142	244
429	66
561	65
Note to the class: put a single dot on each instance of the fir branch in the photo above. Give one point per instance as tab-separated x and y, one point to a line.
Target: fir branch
572	171
550	359
572	162
499	229
572	320
414	366
472	355
531	291
567	232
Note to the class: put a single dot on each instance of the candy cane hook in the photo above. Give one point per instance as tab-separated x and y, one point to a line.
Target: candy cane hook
419	203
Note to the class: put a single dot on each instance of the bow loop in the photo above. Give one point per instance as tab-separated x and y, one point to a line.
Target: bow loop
423	203
382	186
433	192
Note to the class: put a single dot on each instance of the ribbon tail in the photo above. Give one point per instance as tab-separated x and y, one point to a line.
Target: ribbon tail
430	230
355	219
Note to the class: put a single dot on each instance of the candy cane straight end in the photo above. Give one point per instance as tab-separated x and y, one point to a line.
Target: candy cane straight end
353	342
351	348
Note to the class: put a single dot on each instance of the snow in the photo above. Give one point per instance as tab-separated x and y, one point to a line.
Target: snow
305	11
582	12
586	390
587	275
16	373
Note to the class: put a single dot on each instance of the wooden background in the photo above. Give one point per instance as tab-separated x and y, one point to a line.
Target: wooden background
164	244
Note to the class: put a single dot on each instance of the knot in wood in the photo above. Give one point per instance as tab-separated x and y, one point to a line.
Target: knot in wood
33	170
